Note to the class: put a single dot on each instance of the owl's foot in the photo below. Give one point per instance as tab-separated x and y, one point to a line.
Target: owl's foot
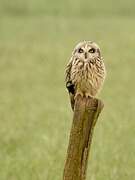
77	94
87	95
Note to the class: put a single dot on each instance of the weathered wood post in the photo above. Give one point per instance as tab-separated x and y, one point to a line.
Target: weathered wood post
86	113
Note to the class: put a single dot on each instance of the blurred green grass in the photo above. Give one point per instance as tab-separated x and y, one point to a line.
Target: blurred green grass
36	40
68	8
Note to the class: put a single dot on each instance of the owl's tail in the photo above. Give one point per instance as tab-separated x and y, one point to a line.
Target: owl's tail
72	100
71	89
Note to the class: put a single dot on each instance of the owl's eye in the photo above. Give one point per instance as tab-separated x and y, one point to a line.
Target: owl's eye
80	50
92	50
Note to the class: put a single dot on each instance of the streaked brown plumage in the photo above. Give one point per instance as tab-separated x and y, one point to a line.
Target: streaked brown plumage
85	72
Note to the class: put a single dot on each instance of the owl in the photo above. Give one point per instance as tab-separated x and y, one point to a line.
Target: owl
85	71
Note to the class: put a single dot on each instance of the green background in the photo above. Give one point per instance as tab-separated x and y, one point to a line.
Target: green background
36	41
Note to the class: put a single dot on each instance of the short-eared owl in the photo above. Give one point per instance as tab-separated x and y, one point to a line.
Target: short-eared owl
85	72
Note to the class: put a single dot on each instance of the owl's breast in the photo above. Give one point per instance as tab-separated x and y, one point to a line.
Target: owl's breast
81	73
86	77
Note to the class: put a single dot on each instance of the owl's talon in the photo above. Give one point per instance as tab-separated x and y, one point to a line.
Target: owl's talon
77	94
87	95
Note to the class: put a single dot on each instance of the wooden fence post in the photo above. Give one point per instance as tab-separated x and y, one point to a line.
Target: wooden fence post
85	116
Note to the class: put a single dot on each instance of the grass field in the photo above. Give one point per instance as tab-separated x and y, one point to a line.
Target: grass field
36	40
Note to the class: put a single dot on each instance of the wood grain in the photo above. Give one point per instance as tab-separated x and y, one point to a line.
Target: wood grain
86	113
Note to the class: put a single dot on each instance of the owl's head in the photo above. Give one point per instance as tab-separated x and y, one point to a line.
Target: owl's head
87	51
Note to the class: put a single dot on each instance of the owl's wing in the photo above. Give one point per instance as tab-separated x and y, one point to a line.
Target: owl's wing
69	85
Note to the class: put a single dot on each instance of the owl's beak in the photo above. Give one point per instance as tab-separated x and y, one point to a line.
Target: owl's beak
85	55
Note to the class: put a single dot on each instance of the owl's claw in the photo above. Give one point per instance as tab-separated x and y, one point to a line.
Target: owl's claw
87	95
77	94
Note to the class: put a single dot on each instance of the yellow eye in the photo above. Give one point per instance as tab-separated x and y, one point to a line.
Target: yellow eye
92	50
80	50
